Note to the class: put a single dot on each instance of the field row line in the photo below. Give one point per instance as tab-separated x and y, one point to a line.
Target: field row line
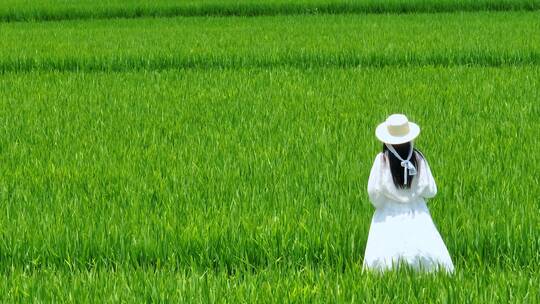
259	9
156	63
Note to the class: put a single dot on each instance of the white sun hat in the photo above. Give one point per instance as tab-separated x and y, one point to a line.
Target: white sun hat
397	129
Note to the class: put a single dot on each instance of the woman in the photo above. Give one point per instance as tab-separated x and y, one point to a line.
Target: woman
402	231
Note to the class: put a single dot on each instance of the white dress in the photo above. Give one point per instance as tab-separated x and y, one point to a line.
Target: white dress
402	230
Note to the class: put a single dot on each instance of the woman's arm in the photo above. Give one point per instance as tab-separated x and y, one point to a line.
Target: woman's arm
374	182
430	189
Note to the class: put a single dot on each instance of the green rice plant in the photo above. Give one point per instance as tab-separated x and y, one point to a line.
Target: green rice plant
310	284
239	170
470	39
44	10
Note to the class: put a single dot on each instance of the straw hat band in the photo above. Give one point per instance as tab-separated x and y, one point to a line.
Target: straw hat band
398	130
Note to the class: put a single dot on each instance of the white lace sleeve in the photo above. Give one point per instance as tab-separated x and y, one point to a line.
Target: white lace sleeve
374	183
430	188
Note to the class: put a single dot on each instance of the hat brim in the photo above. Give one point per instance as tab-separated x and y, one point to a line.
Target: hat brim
382	134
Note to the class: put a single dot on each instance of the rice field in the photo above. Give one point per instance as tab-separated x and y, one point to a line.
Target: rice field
347	41
212	157
51	10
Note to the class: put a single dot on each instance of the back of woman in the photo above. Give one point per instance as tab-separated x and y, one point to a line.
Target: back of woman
400	181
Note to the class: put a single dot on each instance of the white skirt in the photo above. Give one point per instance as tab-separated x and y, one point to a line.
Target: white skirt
405	233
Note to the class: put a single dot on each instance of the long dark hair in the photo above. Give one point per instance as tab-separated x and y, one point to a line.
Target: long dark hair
395	164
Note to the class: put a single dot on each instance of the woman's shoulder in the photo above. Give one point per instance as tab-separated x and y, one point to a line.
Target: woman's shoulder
419	154
420	158
380	157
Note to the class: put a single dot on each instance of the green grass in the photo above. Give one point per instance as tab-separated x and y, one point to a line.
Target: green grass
271	286
482	39
25	10
250	184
